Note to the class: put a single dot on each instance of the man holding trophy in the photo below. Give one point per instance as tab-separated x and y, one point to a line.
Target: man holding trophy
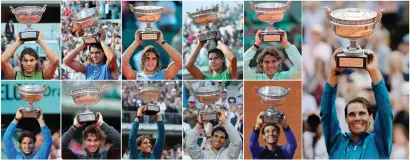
141	148
27	140
93	137
271	58
150	59
103	60
29	58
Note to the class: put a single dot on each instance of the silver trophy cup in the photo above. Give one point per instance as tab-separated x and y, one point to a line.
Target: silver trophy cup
270	13
206	17
148	15
208	96
28	15
31	94
86	97
87	20
272	96
353	23
150	95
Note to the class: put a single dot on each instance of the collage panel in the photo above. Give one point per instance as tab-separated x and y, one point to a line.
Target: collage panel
30	41
213	40
152	40
152	118
91	40
30	119
355	82
213	120
273	40
91	120
273	122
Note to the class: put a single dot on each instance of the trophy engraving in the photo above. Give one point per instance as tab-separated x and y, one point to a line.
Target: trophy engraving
87	20
86	97
352	24
272	96
205	17
31	94
208	96
28	15
148	14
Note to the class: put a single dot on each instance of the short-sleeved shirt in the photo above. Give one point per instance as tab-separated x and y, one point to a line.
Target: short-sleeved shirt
37	76
97	72
156	76
221	76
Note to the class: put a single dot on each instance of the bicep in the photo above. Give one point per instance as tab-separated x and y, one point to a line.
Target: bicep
233	68
128	72
196	73
8	70
77	66
49	71
171	71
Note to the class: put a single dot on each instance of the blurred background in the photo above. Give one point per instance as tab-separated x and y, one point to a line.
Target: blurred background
50	105
291	23
390	42
48	25
109	106
229	22
109	19
169	24
231	98
170	109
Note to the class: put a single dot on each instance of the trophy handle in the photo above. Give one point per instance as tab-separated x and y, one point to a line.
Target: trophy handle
69	92
287	91
327	10
216	8
256	88
17	87
102	89
379	16
287	5
164	7
12	9
45	89
132	8
252	6
44	8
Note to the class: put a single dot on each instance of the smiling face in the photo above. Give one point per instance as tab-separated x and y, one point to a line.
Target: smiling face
145	146
92	143
215	62
270	135
358	118
27	145
270	64
97	55
151	61
218	139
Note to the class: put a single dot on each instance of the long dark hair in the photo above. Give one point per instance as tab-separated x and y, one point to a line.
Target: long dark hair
31	52
272	51
219	54
145	54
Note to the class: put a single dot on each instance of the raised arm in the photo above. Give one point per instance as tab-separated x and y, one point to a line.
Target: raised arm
132	139
190	63
5	57
70	62
111	56
235	145
248	56
293	55
254	147
8	136
172	70
45	149
193	149
232	60
66	152
291	143
113	137
53	61
383	122
160	142
127	70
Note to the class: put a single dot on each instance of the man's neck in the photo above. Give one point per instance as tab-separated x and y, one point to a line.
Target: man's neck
270	76
29	73
272	147
217	71
215	149
147	72
356	138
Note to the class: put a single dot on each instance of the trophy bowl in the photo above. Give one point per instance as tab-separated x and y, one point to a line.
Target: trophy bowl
207	95
150	94
31	94
148	15
86	97
28	15
272	95
205	18
87	20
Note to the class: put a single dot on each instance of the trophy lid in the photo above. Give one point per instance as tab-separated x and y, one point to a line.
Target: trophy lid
353	16
270	7
28	14
204	17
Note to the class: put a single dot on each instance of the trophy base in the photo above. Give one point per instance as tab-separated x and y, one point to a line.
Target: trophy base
271	36
352	59
209	116
30	114
272	116
152	109
92	38
87	117
208	35
149	35
28	35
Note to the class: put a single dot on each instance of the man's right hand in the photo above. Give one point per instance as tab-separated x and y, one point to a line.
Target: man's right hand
78	125
18	40
141	110
259	120
137	36
334	70
19	113
258	40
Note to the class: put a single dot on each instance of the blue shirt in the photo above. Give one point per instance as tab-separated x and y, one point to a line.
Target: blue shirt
158	147
97	72
11	151
156	76
375	145
288	149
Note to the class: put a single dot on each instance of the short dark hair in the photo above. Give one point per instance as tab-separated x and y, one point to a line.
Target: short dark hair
272	51
27	134
99	47
219	54
221	129
145	54
92	129
141	138
31	52
360	100
313	122
232	98
270	124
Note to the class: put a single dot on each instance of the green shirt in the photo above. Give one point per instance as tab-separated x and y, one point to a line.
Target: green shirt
293	55
221	76
37	76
